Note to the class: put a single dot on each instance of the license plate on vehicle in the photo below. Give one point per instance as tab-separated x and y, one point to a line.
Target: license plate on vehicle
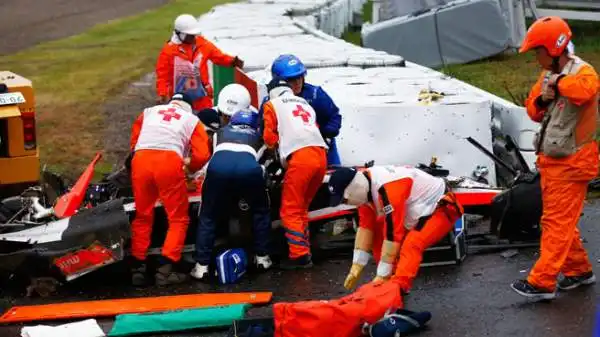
86	260
12	98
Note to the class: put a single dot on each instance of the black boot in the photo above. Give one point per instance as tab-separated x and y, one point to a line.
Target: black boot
138	273
302	262
166	273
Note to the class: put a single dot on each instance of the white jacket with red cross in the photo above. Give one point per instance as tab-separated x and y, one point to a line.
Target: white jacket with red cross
172	127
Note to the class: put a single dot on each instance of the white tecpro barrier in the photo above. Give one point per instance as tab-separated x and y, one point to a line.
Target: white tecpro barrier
259	38
383	120
412	134
378	93
454	33
330	16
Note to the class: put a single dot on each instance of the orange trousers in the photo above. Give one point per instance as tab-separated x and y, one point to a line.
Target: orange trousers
415	242
561	249
340	317
155	175
303	178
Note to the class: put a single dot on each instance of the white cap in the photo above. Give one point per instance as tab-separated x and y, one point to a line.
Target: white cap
233	98
187	24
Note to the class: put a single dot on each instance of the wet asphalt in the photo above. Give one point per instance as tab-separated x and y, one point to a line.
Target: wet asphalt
471	299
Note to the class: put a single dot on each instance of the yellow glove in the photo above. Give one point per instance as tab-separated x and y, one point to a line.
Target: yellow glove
353	276
360	259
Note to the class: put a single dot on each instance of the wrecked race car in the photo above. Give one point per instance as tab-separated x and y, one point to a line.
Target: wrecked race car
49	230
69	233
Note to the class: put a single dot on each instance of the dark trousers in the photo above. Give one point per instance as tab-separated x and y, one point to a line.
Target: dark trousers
230	176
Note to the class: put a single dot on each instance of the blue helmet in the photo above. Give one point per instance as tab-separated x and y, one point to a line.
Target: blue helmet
287	66
245	117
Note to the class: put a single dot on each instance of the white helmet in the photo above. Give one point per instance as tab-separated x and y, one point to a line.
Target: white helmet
233	98
187	24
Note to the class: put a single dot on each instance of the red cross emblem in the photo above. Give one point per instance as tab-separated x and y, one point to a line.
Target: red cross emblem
300	112
169	113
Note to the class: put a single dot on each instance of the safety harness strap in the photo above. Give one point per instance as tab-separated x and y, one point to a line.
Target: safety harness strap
389	220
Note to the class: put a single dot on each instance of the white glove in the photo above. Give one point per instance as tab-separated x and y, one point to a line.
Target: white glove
384	272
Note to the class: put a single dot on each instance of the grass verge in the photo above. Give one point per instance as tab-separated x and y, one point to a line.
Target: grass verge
73	77
505	74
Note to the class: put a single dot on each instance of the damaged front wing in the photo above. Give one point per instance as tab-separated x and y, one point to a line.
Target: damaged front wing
77	245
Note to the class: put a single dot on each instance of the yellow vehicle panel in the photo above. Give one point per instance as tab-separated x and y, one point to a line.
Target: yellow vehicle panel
19	169
19	157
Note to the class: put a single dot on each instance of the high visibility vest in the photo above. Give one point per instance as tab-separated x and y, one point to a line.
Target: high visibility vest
562	118
296	125
167	127
425	193
186	77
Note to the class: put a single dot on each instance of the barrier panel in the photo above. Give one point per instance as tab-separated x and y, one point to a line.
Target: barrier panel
390	111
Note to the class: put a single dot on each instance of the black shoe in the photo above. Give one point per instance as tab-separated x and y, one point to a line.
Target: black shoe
524	288
572	282
167	275
303	262
138	274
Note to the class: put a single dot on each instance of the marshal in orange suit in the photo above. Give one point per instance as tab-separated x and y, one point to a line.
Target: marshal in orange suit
182	65
162	136
402	211
564	100
290	126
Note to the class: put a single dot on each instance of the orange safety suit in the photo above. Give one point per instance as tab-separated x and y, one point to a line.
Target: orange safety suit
340	317
290	124
182	65
418	211
565	177
160	137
